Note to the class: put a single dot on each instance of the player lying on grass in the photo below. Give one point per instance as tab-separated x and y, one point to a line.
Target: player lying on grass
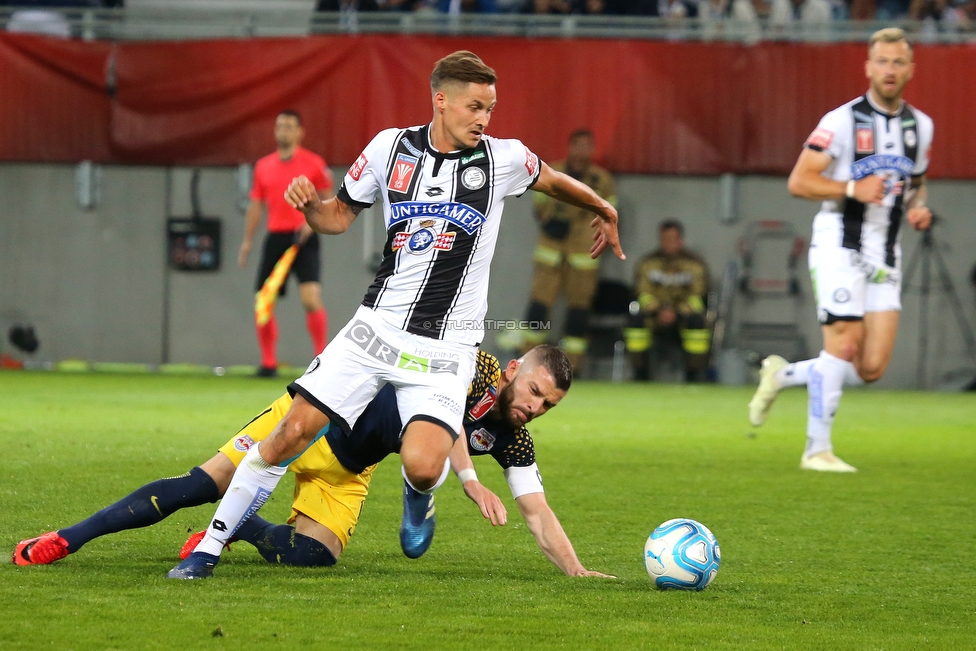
332	477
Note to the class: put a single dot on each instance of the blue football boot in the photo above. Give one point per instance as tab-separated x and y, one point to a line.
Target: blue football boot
417	527
195	566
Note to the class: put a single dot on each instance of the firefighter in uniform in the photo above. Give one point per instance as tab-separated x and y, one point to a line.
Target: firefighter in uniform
671	285
562	255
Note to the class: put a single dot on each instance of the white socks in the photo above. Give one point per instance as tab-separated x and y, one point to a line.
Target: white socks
825	384
250	488
795	374
798	374
440	480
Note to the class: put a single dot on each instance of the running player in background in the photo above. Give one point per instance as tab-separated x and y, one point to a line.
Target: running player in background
329	496
442	187
866	161
286	226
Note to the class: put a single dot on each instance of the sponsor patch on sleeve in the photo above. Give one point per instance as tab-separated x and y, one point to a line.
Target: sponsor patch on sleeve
820	139
531	162
357	168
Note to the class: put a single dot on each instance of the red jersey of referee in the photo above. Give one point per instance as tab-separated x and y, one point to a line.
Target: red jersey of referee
272	177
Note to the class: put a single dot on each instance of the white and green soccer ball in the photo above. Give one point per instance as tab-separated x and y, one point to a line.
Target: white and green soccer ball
682	554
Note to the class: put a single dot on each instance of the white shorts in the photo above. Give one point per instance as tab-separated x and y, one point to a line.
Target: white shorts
431	377
848	283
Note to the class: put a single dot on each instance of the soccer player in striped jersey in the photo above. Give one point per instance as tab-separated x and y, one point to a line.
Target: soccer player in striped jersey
442	187
866	161
329	496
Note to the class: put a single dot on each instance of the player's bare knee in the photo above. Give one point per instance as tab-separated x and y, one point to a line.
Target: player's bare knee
871	373
423	474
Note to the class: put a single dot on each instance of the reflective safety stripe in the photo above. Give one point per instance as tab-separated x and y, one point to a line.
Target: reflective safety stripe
696	303
647	302
695	342
573	345
637	340
583	262
547	256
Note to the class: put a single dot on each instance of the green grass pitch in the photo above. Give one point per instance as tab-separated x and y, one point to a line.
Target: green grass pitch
883	559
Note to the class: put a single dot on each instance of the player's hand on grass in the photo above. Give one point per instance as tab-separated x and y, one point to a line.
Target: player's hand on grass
606	235
490	504
301	195
920	218
592	573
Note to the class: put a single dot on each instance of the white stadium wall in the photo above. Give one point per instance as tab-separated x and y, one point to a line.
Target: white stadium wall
92	281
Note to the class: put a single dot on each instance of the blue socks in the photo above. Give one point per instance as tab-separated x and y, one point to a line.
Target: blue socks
280	544
144	506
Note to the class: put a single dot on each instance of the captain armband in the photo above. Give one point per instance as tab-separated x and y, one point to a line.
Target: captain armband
524	480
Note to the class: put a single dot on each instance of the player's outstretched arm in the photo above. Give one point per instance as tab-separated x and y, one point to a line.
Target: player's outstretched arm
567	189
807	181
550	537
490	504
331	217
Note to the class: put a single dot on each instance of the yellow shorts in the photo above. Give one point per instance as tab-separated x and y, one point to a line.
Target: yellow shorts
324	490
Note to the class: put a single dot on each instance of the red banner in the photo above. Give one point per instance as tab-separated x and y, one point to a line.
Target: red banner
656	107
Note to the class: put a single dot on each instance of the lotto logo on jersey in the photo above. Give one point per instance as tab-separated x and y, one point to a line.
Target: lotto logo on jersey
531	162
481	439
484	405
865	139
357	168
820	139
403	171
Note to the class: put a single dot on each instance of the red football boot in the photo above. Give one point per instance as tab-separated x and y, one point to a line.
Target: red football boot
194	540
43	550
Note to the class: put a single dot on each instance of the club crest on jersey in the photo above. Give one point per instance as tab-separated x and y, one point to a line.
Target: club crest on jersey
243	443
403	171
865	139
473	178
484	405
424	239
910	138
357	168
481	439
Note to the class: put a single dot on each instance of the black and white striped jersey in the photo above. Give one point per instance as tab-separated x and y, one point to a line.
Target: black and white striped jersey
442	213
864	140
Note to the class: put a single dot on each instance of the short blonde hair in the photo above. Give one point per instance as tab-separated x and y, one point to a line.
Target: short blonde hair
889	35
461	67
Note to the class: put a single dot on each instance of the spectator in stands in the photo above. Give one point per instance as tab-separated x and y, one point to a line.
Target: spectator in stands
671	285
892	9
677	9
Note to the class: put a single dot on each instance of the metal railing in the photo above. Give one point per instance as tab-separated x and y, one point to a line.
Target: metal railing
148	23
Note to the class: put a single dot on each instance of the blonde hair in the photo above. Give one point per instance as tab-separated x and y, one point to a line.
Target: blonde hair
889	35
461	67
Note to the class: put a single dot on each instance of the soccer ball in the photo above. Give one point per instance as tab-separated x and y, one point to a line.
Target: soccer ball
682	554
